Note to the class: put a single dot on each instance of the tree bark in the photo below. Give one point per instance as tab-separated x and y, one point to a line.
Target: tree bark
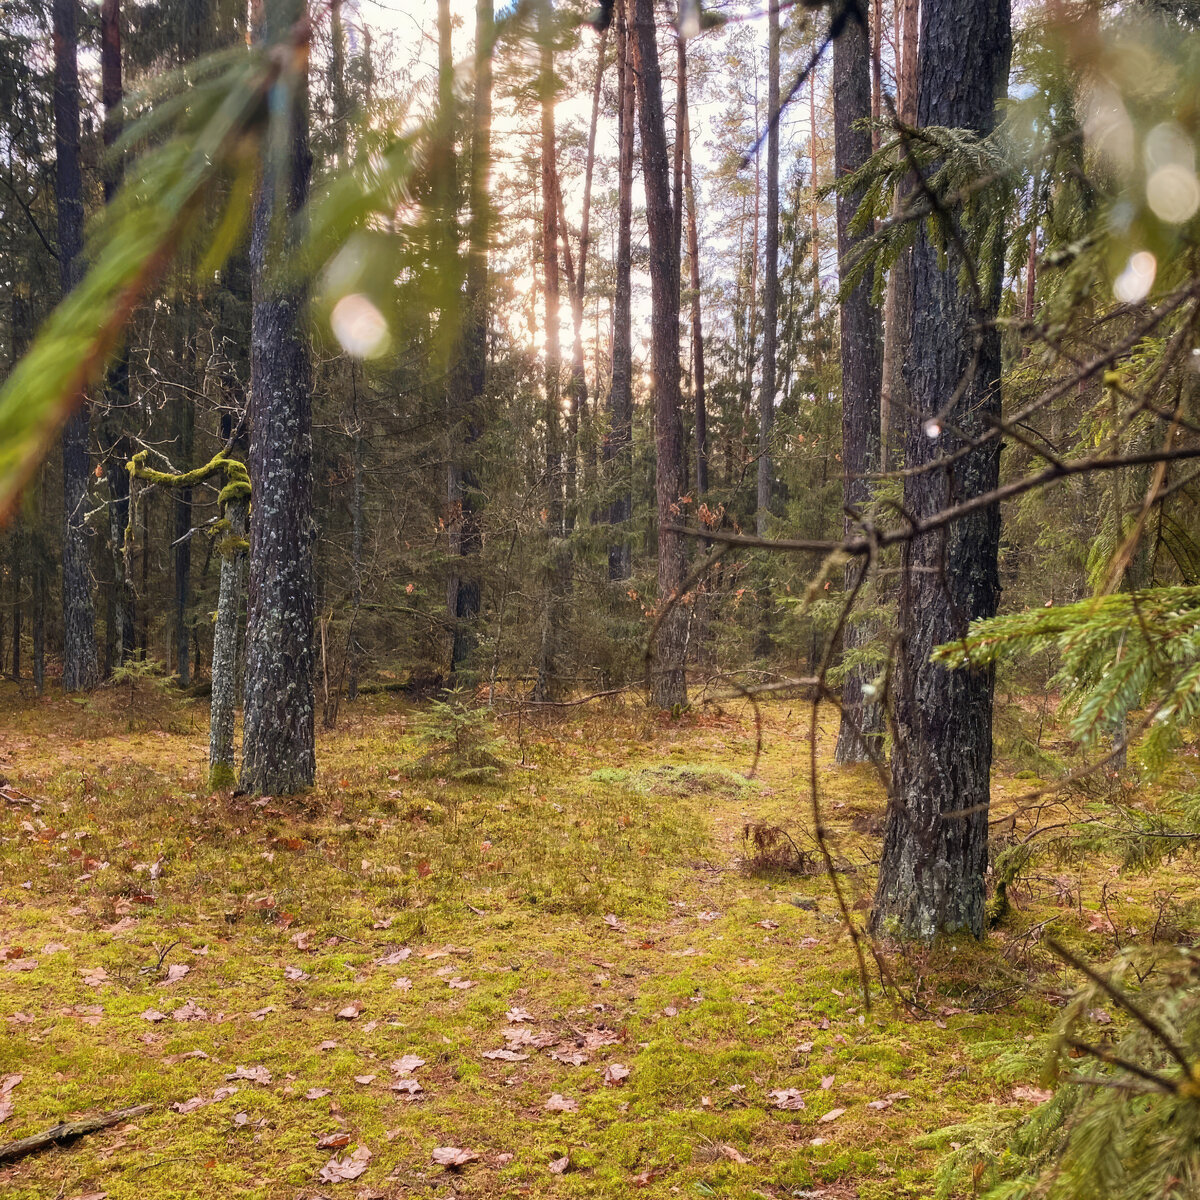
222	763
699	401
860	735
766	399
183	543
893	396
547	666
935	852
277	747
79	622
618	441
668	678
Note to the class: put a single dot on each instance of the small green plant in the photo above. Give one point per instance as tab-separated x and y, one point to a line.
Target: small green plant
142	693
458	742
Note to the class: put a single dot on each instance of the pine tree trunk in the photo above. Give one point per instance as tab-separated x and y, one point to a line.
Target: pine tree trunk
473	358
935	851
183	543
79	622
547	666
893	395
16	575
699	401
222	764
860	734
618	449
669	680
277	745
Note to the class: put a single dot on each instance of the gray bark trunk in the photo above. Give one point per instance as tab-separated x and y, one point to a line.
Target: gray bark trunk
860	735
668	677
932	874
618	449
278	752
79	622
222	763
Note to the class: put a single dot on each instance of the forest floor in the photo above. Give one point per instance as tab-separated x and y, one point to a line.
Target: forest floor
584	974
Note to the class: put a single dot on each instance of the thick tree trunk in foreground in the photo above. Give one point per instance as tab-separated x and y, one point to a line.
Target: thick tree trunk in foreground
861	732
618	449
669	681
277	744
931	877
79	622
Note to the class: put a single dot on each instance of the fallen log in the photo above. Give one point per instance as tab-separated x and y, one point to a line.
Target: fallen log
68	1131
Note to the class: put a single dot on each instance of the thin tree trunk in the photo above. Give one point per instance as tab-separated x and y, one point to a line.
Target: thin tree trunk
353	648
893	396
693	241
860	735
669	681
222	764
277	746
16	575
547	666
79	622
935	851
183	543
618	450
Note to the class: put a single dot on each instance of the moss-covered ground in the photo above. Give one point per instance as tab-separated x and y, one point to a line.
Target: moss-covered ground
597	906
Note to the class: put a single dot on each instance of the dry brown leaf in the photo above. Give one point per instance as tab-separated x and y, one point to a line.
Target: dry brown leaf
453	1156
395	958
402	984
615	1074
152	1014
1032	1095
506	1055
295	974
559	1103
350	1012
789	1099
559	1165
831	1115
734	1154
515	1016
190	1011
407	1065
258	1074
175	973
409	1086
189	1106
333	1141
365	1079
317	1093
342	1170
94	976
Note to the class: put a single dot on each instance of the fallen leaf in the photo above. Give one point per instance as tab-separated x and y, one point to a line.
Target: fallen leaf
831	1115
175	973
461	984
559	1103
223	1093
610	919
94	976
333	1141
350	1012
386	923
880	1105
395	958
408	1086
515	1016
241	1118
342	1170
259	1013
295	974
826	1082
8	1082
53	948
790	1099
253	1074
615	1074
190	1011
559	1165
173	1060
571	1057
302	940
89	1014
594	1039
402	984
317	1093
506	1055
365	1079
190	1106
152	1014
1032	1095
452	1156
408	1064
734	1154
328	1045
708	916
767	925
